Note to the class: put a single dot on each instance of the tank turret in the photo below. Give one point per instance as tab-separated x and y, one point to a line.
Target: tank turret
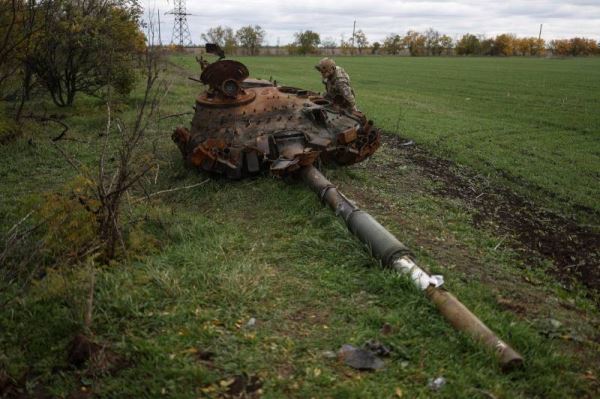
242	126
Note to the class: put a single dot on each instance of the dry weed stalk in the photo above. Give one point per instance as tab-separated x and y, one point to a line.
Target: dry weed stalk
133	162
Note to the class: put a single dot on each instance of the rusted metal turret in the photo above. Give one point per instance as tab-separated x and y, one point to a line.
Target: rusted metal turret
244	126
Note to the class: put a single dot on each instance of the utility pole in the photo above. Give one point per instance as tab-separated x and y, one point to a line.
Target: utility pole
353	36
181	33
540	36
159	38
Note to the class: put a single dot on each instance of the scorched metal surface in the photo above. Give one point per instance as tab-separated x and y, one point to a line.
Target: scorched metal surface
242	126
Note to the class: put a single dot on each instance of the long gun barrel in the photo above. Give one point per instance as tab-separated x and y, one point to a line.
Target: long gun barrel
392	253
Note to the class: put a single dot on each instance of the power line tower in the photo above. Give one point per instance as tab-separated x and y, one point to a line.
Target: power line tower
181	32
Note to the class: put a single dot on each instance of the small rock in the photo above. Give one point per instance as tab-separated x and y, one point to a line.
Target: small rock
329	354
555	323
359	359
251	323
436	384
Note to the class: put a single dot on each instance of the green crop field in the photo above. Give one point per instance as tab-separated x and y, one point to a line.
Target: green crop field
174	315
535	120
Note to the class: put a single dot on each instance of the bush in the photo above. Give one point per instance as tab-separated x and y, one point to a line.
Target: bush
86	46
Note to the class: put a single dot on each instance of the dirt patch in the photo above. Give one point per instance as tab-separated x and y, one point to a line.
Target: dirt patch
98	357
574	250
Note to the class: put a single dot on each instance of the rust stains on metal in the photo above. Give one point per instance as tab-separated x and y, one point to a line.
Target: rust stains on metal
242	126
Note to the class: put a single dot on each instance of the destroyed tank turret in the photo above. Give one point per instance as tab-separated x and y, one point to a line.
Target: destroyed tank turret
243	126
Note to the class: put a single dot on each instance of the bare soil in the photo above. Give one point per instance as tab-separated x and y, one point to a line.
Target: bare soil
538	234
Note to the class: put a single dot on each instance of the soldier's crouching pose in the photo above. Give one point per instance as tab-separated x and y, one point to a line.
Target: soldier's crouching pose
337	84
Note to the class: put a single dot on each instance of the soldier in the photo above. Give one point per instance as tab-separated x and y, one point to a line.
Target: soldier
337	84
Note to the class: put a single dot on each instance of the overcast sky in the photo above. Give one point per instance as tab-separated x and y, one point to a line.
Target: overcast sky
333	19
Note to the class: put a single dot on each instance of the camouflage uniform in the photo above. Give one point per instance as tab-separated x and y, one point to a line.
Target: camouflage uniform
339	90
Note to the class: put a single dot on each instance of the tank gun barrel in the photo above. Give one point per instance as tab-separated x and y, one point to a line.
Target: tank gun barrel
392	253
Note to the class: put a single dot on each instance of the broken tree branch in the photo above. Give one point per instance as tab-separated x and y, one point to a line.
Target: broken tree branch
170	191
175	115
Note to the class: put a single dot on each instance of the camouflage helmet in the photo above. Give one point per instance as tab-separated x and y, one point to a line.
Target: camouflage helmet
325	65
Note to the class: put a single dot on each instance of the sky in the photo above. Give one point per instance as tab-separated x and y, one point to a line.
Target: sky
333	19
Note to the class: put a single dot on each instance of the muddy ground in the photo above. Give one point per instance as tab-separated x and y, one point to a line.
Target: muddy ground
537	234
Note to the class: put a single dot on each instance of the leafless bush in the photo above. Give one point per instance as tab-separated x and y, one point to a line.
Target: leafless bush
133	159
85	218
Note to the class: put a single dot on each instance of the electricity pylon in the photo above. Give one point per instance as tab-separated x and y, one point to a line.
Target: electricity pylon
181	32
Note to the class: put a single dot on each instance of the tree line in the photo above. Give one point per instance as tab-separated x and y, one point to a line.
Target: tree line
249	38
429	43
511	45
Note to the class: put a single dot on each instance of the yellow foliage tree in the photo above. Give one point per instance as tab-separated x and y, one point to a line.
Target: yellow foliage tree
504	44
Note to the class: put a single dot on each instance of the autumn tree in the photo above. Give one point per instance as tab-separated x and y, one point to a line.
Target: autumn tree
223	36
393	44
504	44
433	42
415	42
527	46
16	29
375	48
468	44
582	46
560	47
361	40
307	42
521	46
486	46
19	23
85	46
446	44
250	38
537	46
11	16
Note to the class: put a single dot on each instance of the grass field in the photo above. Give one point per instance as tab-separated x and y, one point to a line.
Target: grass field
537	121
226	252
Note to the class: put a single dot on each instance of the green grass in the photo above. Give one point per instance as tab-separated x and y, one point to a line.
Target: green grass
267	249
534	121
